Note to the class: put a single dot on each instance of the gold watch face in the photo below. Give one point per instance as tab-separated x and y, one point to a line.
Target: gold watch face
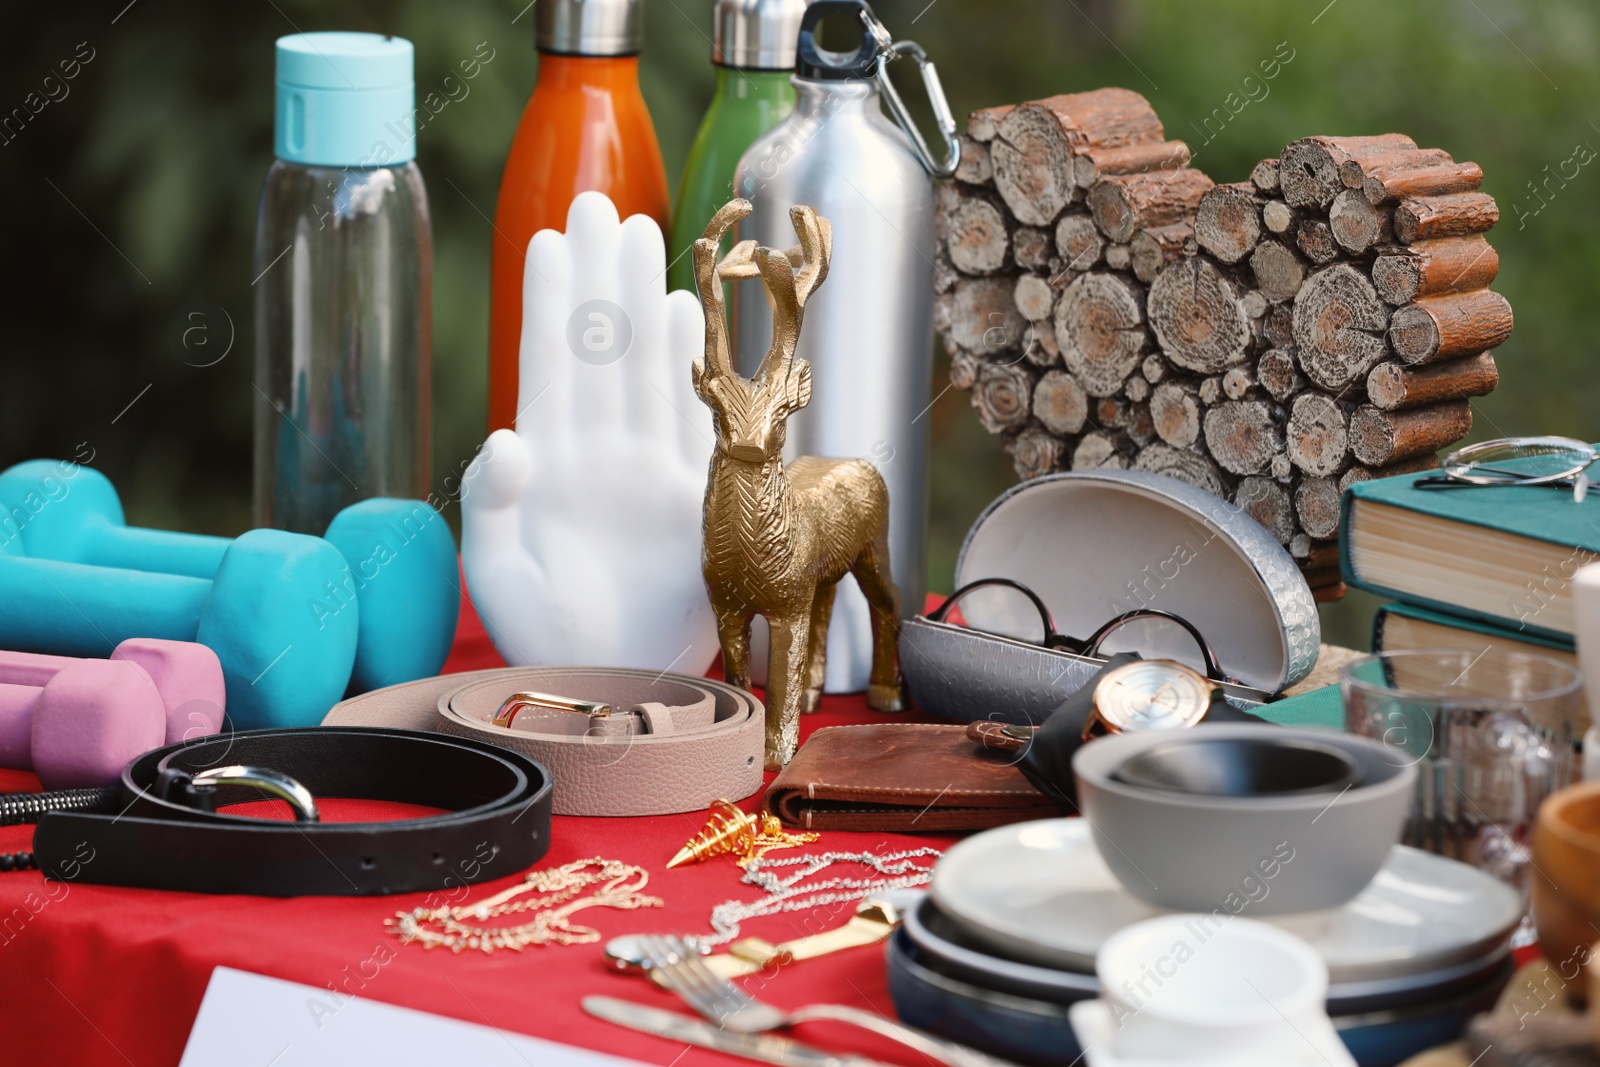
1154	694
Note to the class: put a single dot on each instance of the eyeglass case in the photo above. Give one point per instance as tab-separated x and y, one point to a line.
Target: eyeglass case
1093	545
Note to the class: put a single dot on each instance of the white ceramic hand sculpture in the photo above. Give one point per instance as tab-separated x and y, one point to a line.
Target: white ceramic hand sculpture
581	530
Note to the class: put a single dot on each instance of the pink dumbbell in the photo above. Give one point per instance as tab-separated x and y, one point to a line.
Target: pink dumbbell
76	722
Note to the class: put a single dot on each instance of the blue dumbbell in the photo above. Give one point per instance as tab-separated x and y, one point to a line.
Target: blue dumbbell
375	599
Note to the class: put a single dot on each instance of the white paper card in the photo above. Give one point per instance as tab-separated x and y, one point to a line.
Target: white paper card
252	1019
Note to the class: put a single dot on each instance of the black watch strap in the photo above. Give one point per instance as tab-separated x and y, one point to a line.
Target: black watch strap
496	818
1047	761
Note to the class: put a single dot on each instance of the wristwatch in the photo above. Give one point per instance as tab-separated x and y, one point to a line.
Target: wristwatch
1149	694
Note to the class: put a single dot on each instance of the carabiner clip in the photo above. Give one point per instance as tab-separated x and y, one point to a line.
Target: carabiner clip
890	49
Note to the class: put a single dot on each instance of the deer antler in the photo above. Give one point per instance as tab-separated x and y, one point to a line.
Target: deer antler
816	245
719	359
790	278
810	256
778	278
740	262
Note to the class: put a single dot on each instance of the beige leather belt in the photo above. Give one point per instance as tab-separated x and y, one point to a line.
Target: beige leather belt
663	743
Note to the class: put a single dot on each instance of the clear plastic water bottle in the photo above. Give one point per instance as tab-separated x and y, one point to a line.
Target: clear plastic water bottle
343	282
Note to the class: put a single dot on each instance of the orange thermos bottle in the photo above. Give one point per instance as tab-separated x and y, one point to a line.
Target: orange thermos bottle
585	127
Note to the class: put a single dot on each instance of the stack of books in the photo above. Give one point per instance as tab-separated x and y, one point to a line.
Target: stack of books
1469	567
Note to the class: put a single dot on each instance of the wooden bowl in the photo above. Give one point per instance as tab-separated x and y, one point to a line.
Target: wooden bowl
1565	881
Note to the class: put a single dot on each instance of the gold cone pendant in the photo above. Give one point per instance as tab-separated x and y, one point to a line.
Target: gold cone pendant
730	831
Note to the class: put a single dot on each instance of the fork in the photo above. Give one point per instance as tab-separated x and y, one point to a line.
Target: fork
731	1008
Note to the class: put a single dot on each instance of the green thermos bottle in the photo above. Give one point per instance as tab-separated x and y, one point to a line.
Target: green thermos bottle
753	46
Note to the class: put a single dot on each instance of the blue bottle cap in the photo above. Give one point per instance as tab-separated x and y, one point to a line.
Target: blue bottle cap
345	100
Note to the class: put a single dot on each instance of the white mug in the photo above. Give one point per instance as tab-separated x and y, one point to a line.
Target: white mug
1214	988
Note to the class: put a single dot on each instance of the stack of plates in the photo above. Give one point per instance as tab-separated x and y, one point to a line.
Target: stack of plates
1007	939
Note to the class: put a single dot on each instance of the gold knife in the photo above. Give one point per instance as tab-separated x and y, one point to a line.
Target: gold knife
874	920
765	1048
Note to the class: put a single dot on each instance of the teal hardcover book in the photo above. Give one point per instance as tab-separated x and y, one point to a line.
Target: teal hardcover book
1320	708
1401	626
1502	555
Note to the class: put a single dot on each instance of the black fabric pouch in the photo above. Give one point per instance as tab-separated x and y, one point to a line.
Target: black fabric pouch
1047	759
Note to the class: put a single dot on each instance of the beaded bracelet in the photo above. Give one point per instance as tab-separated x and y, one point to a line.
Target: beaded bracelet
19	808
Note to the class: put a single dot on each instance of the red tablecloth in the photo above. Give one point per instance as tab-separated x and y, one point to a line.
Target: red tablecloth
96	975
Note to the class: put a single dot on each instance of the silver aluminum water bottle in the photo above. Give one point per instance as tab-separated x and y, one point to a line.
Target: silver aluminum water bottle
868	331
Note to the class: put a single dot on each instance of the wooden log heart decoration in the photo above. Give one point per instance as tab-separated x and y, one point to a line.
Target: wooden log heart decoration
778	538
1270	341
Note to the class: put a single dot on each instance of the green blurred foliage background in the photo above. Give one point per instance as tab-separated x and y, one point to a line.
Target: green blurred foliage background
129	200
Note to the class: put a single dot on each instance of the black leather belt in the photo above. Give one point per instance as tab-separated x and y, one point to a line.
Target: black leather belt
168	834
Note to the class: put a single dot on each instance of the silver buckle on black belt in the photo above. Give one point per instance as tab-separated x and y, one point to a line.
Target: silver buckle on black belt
199	791
166	832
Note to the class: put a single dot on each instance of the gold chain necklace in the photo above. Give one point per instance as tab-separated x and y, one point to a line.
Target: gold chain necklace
558	888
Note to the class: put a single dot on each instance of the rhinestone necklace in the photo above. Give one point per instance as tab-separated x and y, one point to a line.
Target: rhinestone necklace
792	892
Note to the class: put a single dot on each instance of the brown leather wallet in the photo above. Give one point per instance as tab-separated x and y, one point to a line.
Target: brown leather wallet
902	777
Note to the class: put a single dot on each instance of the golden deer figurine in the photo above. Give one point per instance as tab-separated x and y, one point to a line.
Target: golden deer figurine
778	539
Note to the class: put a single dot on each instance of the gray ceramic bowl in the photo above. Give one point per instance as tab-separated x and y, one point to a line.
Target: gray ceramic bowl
1241	767
1270	855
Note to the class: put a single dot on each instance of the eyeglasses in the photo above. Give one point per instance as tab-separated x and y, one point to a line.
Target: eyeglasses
1090	647
1517	461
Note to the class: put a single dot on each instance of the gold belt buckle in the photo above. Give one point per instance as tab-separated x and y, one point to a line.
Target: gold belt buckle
547	702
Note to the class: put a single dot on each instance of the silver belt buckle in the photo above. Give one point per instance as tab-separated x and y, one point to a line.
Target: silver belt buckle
286	789
547	702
